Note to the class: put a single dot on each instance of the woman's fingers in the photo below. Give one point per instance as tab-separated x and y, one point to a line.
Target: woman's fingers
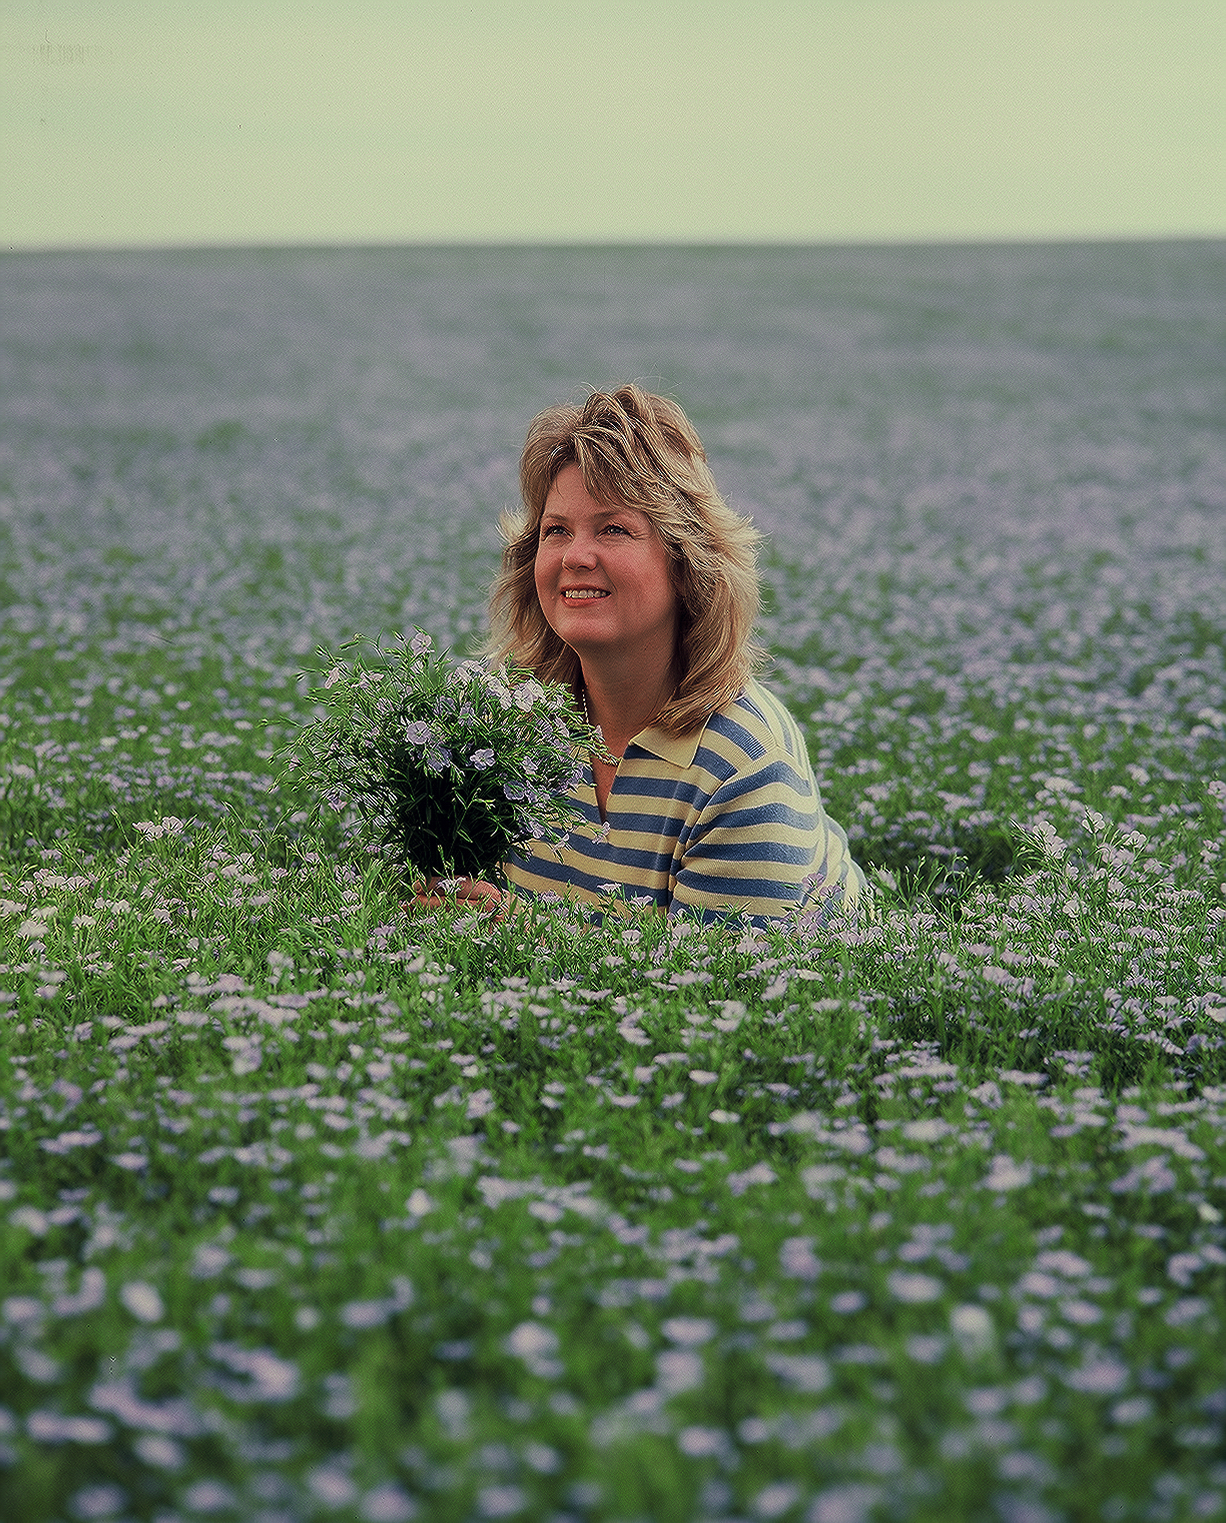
467	890
436	892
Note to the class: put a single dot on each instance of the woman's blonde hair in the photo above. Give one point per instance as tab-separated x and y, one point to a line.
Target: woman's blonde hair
639	451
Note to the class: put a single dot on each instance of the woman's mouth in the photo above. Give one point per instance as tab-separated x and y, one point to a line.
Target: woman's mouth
578	594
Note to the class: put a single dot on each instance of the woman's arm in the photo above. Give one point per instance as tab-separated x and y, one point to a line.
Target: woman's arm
764	845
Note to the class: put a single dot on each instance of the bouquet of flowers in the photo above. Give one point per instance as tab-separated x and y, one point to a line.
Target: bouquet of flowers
447	768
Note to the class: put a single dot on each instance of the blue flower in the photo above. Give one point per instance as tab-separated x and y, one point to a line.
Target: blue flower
482	759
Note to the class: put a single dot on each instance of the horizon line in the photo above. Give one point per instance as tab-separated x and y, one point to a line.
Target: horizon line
340	246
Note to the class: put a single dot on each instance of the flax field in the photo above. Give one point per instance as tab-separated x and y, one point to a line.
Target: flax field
314	1209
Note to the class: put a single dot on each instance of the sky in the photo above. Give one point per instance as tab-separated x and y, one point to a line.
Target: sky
271	122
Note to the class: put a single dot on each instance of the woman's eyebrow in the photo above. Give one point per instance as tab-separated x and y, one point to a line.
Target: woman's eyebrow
559	515
620	510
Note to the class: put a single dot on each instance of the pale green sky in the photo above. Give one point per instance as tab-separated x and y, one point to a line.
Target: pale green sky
126	122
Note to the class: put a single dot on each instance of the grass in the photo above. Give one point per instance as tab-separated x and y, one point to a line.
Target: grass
310	1209
317	1209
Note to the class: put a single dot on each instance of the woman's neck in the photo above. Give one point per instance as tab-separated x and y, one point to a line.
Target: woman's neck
623	703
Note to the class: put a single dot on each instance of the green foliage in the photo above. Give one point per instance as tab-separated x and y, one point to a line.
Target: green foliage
312	1208
449	769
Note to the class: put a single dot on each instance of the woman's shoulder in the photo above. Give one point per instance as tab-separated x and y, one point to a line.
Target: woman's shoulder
763	714
759	724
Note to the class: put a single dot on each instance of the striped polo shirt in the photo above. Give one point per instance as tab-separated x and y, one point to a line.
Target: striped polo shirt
725	821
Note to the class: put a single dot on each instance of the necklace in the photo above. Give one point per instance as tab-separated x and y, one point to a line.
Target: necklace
608	755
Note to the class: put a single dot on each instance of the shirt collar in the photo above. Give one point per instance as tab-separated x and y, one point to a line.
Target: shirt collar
678	751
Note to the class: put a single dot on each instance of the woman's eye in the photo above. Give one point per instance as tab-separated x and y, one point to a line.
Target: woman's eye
616	529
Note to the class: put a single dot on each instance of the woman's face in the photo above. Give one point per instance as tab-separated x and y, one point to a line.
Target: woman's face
602	575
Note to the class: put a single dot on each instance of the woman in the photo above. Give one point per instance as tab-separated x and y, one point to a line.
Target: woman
629	577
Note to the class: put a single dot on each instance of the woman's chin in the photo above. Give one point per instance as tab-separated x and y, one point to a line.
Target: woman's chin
585	631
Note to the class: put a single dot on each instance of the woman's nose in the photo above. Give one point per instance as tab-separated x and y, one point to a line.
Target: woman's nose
579	552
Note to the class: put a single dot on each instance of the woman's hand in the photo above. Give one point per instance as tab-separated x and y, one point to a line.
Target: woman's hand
487	898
